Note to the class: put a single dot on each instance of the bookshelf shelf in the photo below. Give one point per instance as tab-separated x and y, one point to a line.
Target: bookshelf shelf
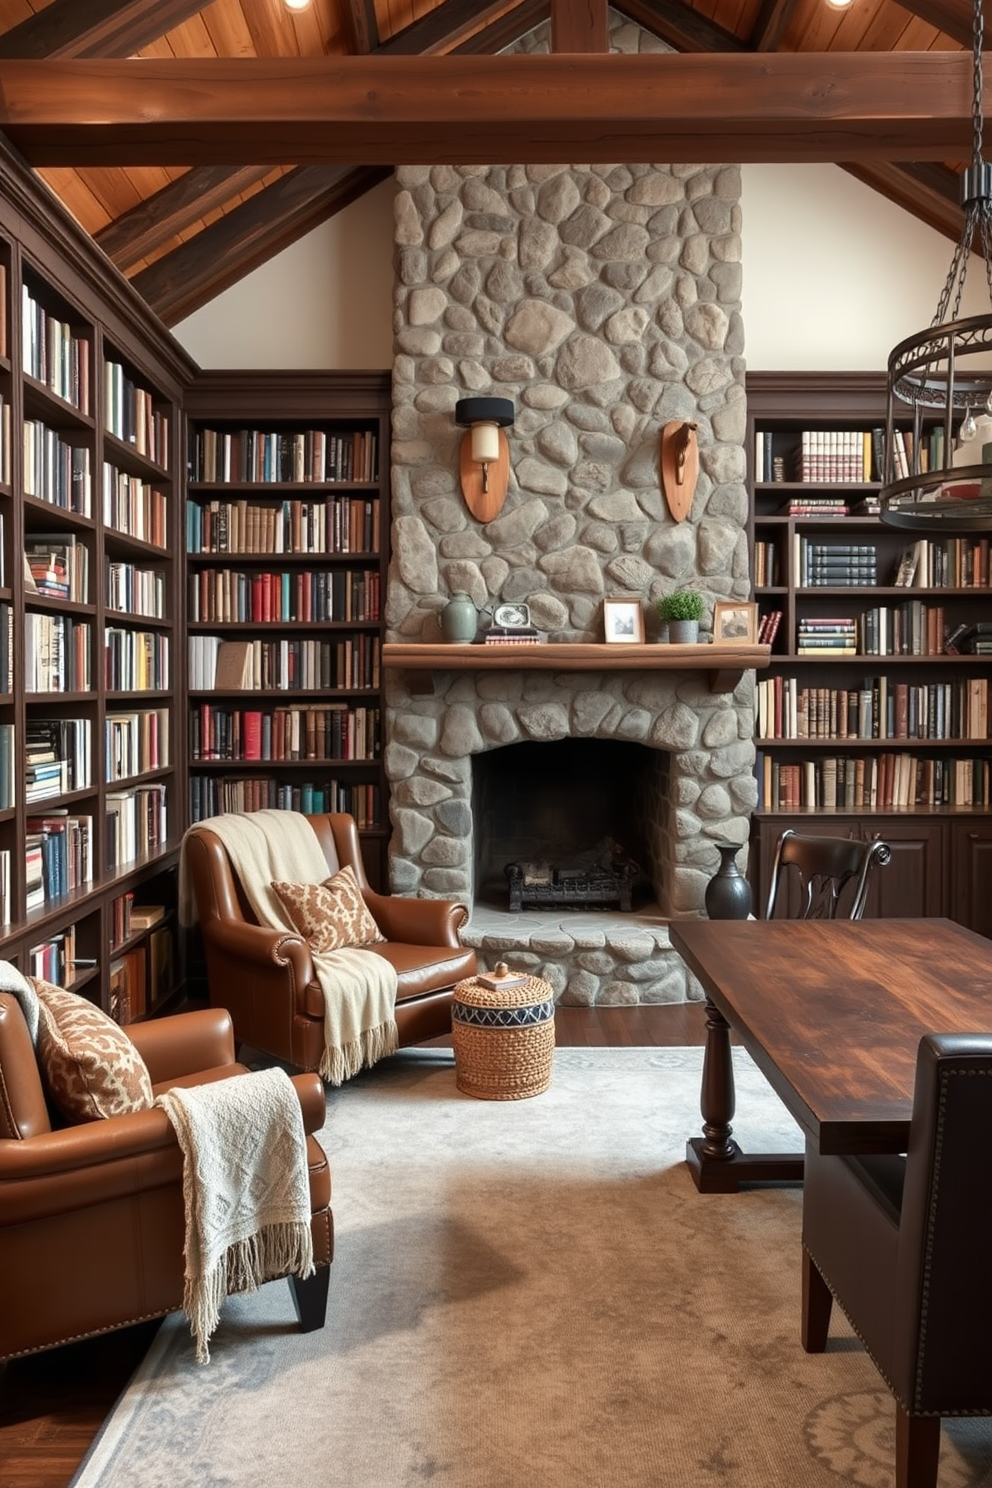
931	797
64	319
287	555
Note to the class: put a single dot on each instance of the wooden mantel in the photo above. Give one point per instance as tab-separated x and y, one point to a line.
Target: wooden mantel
725	664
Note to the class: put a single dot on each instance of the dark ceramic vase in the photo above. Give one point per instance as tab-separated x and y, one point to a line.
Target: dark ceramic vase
728	893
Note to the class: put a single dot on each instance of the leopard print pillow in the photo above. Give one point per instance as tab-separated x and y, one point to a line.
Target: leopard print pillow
332	914
89	1066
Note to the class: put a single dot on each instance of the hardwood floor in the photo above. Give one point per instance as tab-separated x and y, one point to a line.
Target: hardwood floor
53	1404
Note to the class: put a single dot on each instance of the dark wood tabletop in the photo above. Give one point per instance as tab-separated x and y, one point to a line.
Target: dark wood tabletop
833	1011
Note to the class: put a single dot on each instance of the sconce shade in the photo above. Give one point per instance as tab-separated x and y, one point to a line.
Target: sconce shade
484	461
470	411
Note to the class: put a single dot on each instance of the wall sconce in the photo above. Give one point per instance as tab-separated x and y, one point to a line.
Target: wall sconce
484	461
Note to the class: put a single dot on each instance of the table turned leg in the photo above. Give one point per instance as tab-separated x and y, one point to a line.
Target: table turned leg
715	1161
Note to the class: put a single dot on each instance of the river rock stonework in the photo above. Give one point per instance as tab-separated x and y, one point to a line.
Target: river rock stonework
604	301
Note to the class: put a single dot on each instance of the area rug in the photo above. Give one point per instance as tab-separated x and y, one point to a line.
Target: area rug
528	1294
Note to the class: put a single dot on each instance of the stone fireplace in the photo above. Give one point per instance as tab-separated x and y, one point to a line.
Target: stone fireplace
605	301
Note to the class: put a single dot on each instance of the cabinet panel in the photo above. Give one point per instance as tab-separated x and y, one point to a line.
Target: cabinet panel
910	885
971	875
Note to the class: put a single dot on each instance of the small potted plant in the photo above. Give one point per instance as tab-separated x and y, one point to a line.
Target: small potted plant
682	612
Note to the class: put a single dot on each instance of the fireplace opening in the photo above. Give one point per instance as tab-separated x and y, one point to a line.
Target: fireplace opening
570	824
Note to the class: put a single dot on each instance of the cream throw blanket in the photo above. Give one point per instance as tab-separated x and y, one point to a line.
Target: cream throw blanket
359	987
246	1190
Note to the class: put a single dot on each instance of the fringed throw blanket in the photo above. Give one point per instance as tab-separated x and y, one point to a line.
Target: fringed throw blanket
359	987
245	1187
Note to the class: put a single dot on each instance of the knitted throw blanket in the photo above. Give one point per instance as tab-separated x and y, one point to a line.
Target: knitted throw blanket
245	1187
359	987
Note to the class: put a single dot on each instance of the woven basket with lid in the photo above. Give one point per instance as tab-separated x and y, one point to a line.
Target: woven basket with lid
504	1038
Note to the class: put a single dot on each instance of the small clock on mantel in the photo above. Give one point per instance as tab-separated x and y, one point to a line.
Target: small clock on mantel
512	617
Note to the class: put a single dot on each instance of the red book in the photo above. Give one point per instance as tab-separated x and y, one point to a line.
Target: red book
251	734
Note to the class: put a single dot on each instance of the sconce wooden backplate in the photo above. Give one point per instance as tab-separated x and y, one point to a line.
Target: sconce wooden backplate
679	466
484	505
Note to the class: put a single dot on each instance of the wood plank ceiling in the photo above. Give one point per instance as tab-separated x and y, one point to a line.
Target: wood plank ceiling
184	228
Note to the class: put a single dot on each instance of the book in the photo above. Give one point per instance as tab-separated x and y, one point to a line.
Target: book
144	916
234	666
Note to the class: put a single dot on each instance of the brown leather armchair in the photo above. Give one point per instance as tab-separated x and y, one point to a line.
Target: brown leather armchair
902	1243
92	1222
266	978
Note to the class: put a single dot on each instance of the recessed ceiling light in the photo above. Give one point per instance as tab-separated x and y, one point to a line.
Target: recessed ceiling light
296	4
836	4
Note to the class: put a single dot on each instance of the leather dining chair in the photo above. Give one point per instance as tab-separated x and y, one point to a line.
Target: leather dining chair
92	1216
266	978
822	878
902	1244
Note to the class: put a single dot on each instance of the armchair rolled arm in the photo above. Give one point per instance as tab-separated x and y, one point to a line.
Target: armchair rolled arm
184	1043
417	921
259	946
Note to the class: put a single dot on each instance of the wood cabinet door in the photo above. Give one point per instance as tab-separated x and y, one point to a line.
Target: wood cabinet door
971	875
911	886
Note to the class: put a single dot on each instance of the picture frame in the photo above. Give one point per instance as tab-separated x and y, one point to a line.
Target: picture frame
735	622
623	621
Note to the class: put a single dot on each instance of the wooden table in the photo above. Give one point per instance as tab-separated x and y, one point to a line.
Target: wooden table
832	1012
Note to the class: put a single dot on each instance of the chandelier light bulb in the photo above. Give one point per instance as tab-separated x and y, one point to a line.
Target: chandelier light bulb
968	426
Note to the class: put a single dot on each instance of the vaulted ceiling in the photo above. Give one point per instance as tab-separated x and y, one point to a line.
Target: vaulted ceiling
193	141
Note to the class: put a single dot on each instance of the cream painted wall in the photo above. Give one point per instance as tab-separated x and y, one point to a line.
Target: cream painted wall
325	302
877	272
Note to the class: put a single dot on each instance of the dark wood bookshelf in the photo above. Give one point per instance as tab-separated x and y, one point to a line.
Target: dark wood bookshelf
942	848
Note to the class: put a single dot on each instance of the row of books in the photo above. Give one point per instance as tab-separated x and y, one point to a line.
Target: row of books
768	627
131	416
135	660
249	455
136	823
225	596
834	565
58	756
878	782
134	507
947	563
142	977
837	456
338	732
58	856
335	524
127	917
136	591
53	353
5	899
57	650
135	742
880	708
55	960
827	636
352	664
56	471
209	795
57	565
910	457
767	570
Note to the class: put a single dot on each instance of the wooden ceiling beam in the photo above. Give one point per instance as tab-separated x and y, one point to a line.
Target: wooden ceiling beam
579	26
268	222
504	30
796	106
928	191
768	30
455	24
683	28
95	28
363	27
160	218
